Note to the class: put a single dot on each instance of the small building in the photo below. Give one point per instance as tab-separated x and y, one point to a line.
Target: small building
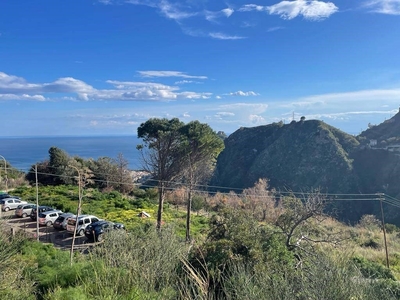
143	214
373	143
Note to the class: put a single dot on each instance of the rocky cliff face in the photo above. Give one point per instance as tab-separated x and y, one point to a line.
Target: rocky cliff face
296	156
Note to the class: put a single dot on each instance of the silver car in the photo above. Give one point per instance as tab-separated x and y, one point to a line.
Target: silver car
61	222
11	203
24	210
83	221
48	217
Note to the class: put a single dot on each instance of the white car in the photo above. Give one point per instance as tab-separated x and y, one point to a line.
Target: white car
48	217
83	221
11	203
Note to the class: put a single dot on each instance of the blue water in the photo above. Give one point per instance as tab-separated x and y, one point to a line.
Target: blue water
22	153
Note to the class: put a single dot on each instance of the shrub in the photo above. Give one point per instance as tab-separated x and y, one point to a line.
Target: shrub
371	243
372	270
391	228
369	222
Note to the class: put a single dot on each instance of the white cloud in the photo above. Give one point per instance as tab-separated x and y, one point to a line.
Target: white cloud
185	115
272	29
173	11
12	84
252	7
222	36
22	97
68	85
212	15
241	93
257	120
218	97
184	81
169	74
227	12
256	108
312	10
225	114
106	2
17	88
358	96
389	7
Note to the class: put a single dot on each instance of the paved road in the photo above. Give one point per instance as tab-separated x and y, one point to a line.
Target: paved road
61	239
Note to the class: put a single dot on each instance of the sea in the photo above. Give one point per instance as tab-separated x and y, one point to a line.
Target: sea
23	152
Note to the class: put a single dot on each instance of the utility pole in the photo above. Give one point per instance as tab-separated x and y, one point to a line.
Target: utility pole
384	230
5	172
37	205
77	213
6	180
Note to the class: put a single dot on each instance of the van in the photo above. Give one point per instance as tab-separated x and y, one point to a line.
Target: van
83	221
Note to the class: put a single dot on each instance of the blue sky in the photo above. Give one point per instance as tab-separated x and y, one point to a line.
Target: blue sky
102	67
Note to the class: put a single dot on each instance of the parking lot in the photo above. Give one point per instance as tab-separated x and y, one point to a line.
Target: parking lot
61	239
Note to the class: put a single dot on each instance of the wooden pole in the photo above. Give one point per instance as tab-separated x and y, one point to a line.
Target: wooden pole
384	232
77	214
37	204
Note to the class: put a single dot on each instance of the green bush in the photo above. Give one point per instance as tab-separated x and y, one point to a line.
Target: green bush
371	243
372	270
391	228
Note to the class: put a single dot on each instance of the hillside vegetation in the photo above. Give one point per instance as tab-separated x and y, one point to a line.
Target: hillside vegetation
312	155
251	246
296	156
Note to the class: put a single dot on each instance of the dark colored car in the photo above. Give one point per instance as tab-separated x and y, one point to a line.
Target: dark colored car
95	231
5	195
42	209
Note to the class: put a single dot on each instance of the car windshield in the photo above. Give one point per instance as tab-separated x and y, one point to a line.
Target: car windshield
42	216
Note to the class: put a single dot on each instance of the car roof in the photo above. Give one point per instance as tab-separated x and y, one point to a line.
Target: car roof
101	222
66	214
51	212
86	216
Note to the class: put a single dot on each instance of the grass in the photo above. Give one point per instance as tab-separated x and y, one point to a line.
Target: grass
146	264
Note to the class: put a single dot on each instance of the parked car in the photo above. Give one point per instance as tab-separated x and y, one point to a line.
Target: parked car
95	231
48	217
11	203
41	209
5	195
83	222
61	222
24	210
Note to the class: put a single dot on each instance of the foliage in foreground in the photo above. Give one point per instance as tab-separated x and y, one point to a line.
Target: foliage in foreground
239	259
252	248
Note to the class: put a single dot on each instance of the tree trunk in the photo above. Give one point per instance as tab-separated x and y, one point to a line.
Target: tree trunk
161	195
189	208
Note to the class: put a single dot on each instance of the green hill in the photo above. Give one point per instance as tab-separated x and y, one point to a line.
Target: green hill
296	156
306	155
386	133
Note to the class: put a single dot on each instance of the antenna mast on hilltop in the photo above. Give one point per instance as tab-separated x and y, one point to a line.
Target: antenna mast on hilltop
293	116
